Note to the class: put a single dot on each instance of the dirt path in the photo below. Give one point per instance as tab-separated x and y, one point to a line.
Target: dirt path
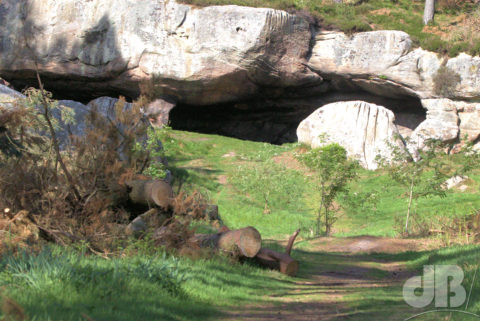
340	279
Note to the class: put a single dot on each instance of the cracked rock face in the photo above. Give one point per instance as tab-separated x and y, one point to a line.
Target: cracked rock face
201	56
384	63
363	129
218	55
448	121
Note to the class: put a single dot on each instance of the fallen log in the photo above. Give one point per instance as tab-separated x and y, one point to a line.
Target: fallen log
282	262
242	242
246	242
150	192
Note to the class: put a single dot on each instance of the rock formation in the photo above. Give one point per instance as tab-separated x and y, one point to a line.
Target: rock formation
255	72
201	56
386	64
363	129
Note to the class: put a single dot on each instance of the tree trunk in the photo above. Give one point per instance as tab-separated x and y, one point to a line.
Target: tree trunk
429	11
328	226
243	242
409	205
151	192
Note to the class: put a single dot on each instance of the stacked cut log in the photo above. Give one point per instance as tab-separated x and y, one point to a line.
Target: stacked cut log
151	192
247	242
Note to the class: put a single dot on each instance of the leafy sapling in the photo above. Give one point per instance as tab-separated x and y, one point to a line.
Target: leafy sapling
333	170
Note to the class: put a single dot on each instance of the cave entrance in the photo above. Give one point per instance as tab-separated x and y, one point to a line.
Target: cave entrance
276	122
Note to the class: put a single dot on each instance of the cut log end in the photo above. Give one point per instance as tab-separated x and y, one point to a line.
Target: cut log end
151	192
250	242
247	241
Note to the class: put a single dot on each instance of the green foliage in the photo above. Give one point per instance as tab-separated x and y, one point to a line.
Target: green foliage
208	162
156	151
332	172
34	99
445	81
271	184
423	177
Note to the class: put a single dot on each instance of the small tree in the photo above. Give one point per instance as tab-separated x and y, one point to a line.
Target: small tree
332	172
422	178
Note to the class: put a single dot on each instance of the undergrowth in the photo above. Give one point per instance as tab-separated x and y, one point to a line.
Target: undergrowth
143	283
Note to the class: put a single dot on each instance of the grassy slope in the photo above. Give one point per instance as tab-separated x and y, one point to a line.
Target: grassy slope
67	285
206	158
450	33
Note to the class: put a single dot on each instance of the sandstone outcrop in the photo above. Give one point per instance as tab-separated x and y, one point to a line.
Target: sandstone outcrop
386	64
363	129
448	121
199	55
258	66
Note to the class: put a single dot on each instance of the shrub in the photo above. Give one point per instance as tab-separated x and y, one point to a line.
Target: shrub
79	192
445	81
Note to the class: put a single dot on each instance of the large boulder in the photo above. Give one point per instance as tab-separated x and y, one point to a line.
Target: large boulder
385	63
199	55
8	97
364	130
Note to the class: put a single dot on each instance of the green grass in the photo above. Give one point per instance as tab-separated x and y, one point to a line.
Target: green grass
63	284
203	159
403	15
466	257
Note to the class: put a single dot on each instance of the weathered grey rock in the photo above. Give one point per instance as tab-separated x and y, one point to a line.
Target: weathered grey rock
384	63
363	129
468	68
442	123
158	112
4	82
200	55
455	181
8	97
105	106
469	114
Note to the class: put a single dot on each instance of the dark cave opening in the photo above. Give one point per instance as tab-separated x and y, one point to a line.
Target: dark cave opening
260	119
79	89
276	121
